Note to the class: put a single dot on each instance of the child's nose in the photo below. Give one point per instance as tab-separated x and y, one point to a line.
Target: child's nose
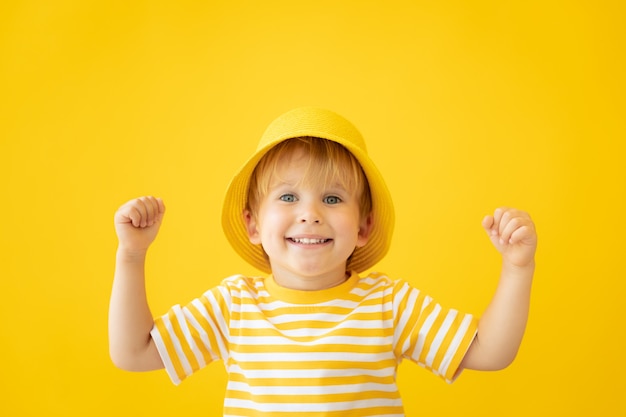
309	220
310	214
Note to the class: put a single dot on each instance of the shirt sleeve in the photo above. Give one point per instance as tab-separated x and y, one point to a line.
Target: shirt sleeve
192	336
434	337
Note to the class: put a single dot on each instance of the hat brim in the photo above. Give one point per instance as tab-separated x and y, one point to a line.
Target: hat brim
323	124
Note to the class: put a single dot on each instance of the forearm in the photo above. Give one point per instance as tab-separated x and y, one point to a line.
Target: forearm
502	326
130	319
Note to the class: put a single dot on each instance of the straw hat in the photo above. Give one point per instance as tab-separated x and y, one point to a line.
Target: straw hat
310	121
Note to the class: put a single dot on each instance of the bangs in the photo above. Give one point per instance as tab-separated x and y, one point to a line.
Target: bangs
328	164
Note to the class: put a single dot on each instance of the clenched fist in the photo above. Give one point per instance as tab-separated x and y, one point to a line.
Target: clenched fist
137	223
513	234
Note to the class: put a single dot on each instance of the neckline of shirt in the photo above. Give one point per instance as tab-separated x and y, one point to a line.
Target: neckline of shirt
310	297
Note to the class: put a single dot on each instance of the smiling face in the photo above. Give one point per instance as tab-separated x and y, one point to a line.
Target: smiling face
306	210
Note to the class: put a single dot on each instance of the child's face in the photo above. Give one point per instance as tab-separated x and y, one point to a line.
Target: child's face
307	231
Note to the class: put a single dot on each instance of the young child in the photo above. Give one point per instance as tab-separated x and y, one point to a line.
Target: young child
315	335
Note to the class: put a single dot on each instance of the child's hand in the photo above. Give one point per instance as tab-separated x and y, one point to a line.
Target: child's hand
513	233
137	223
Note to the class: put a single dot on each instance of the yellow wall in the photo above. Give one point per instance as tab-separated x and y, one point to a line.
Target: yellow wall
465	106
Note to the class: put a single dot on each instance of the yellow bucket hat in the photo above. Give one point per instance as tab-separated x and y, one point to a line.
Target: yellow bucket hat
325	124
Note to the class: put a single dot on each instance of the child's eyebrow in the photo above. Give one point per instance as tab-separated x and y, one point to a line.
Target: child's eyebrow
337	187
282	183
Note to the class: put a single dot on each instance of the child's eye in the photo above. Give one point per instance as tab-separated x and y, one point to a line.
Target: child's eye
332	199
288	198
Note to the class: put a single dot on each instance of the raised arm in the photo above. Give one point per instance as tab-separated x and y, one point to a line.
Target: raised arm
131	348
502	326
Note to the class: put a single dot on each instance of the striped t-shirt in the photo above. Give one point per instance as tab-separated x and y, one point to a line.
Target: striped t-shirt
332	352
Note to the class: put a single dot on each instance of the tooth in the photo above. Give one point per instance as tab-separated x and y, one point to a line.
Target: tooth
307	241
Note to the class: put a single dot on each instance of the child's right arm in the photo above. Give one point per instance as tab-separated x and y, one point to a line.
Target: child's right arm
131	348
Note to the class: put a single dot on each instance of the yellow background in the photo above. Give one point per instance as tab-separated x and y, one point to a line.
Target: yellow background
465	106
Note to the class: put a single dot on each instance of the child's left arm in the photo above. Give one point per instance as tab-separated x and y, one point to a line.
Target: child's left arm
501	328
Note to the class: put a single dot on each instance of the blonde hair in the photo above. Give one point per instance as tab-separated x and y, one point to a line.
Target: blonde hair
328	163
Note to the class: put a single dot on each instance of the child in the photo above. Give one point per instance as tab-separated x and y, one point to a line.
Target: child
311	210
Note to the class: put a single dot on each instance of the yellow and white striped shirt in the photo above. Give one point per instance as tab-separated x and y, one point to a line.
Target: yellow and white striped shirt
321	353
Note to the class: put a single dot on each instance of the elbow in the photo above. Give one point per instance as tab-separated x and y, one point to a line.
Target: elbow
120	360
493	364
124	360
481	357
498	364
503	358
135	359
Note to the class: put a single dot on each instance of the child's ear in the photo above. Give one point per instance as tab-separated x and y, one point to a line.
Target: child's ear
365	229
253	232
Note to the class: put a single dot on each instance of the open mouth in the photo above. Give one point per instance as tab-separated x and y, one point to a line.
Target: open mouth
308	241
